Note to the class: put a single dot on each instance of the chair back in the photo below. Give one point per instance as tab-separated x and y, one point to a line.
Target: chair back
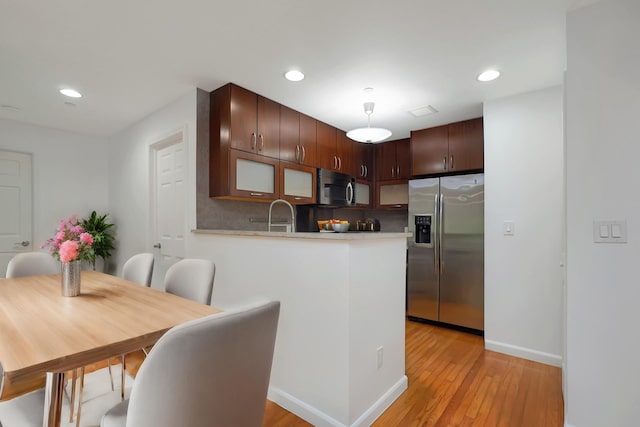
139	269
210	372
32	264
192	279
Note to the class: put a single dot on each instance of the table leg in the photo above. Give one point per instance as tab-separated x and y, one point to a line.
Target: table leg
53	399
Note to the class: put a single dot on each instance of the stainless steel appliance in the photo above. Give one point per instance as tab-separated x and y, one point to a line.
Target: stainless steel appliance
445	273
335	189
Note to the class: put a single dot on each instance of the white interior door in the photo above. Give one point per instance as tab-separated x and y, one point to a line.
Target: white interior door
170	199
15	206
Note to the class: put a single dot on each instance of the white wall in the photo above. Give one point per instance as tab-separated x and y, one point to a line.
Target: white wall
70	173
603	148
129	179
524	163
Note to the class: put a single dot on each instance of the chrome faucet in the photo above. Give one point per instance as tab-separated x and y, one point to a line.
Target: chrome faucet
293	215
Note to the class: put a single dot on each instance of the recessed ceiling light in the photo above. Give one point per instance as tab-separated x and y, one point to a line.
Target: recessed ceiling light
294	75
71	93
489	75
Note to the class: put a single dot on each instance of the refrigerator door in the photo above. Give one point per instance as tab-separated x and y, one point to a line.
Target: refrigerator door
422	269
462	251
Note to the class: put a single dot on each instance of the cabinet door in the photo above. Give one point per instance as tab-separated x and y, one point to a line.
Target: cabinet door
327	157
392	194
403	159
344	150
429	150
386	161
253	176
290	135
268	138
308	140
297	183
466	145
244	113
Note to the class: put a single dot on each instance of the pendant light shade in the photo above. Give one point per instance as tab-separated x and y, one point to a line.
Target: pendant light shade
369	134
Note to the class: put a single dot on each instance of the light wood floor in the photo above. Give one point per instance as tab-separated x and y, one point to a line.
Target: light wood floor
453	381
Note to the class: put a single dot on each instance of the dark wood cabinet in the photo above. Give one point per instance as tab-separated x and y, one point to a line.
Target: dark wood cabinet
456	147
297	137
393	161
333	148
363	161
466	145
297	183
253	121
344	152
308	140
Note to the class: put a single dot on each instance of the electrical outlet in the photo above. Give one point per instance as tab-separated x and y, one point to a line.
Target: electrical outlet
380	353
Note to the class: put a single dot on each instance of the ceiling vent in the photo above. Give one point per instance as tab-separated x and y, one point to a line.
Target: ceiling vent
423	111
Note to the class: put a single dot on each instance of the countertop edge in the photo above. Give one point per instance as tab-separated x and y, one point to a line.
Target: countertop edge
363	235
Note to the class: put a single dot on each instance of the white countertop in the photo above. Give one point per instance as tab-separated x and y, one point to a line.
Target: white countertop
353	235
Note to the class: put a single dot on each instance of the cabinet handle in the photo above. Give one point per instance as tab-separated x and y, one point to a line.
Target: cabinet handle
256	194
335	162
366	170
339	163
253	140
398	171
444	163
304	153
261	143
297	153
393	172
451	161
362	170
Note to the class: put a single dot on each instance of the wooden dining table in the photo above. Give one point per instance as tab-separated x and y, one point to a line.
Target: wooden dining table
43	332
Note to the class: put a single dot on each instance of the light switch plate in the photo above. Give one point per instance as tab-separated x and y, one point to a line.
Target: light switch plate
508	228
610	231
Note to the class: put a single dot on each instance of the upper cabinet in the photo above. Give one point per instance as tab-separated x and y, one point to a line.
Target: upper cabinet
297	137
253	121
363	161
393	161
456	147
333	148
466	145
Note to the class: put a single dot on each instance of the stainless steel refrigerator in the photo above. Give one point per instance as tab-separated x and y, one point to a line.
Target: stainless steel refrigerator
445	272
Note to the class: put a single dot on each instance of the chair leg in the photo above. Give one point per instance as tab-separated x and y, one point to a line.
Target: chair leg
74	377
123	377
110	374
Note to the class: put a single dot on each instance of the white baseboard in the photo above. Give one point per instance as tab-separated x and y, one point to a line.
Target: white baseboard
525	353
381	405
320	419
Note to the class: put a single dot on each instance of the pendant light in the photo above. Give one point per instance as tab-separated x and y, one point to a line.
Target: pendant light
369	134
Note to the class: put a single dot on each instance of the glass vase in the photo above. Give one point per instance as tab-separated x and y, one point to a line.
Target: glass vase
71	278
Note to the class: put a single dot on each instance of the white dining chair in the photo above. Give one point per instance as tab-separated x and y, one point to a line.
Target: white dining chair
192	279
32	264
25	410
139	269
209	372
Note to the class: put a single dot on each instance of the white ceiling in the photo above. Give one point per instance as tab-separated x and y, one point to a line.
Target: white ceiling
130	58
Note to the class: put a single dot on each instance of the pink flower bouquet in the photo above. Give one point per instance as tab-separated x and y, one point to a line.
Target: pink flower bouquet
70	242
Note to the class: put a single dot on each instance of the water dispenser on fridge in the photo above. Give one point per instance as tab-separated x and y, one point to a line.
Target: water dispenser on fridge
423	229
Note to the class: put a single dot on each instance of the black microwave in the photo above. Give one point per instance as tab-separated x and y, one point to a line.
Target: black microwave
335	188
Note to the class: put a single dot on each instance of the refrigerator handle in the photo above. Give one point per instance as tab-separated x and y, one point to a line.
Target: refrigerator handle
440	227
435	240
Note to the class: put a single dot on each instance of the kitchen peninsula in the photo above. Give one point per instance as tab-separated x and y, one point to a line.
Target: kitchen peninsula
339	358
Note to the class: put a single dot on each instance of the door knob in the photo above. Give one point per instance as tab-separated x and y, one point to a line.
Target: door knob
23	243
157	245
